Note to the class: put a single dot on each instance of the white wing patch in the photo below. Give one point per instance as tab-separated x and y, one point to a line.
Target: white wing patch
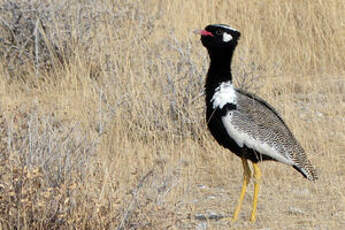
226	37
224	93
242	138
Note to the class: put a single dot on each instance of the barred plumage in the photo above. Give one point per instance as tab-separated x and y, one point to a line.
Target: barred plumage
260	121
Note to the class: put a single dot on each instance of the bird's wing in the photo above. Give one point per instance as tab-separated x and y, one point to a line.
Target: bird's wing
258	126
261	101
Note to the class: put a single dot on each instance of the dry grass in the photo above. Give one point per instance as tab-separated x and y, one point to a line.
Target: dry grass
102	114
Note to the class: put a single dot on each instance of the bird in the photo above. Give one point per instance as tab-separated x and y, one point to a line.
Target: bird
243	122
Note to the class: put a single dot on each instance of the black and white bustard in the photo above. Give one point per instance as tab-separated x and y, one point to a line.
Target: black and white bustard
242	122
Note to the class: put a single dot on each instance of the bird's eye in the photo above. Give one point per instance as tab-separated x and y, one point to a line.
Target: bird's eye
219	32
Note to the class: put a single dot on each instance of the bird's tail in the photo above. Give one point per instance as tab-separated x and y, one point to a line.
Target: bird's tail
306	169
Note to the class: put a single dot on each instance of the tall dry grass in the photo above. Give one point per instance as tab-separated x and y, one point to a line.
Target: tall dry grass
102	114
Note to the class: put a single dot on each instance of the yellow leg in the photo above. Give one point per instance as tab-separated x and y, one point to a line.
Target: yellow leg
257	177
246	179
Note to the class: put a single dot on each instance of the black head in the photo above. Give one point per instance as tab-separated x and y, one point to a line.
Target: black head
219	36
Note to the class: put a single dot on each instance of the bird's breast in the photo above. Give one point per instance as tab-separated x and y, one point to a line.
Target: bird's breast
224	94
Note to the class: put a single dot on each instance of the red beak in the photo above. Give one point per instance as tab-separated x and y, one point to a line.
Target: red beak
203	33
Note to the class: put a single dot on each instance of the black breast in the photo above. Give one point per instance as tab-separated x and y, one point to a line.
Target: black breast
217	129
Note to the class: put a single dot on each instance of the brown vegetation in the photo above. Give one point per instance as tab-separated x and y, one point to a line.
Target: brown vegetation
102	114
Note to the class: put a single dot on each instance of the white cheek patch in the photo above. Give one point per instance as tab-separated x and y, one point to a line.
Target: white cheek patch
226	37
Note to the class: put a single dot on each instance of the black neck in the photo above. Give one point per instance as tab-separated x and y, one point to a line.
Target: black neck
220	67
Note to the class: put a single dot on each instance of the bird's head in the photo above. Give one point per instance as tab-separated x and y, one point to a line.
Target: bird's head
219	36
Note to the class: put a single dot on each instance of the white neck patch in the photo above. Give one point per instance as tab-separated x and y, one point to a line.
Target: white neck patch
224	94
226	37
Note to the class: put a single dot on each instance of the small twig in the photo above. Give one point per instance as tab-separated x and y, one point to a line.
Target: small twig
131	206
202	93
36	47
100	126
5	24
